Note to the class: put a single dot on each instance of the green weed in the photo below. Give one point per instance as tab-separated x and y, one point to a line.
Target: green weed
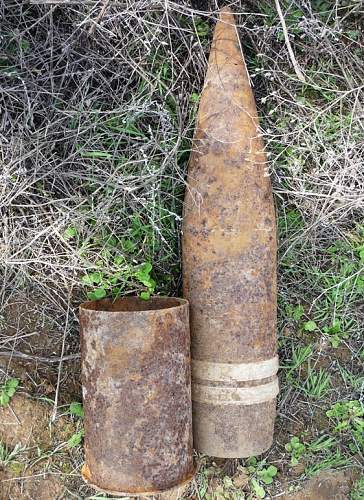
322	443
142	274
291	220
317	383
249	482
257	488
348	417
261	474
317	454
310	326
8	456
356	381
70	233
343	282
296	449
76	439
331	461
337	278
76	409
114	283
298	312
299	355
357	492
267	474
8	390
335	333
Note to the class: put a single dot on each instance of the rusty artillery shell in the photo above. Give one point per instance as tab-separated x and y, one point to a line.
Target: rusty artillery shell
229	262
137	394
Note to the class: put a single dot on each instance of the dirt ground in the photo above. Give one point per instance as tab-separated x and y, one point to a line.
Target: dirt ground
28	421
46	468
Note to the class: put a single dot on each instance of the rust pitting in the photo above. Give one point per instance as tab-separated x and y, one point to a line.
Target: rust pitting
136	376
229	248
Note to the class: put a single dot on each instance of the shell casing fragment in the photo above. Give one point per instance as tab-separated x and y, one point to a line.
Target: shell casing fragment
229	262
137	395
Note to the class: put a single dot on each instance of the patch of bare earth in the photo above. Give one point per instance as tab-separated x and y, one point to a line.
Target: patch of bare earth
328	485
31	488
31	474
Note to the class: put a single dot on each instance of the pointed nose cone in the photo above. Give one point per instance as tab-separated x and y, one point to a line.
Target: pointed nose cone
225	47
227	91
229	262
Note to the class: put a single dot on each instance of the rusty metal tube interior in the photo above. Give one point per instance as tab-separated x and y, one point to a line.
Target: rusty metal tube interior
229	262
137	395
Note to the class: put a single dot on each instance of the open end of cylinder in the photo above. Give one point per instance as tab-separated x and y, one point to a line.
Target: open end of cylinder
133	304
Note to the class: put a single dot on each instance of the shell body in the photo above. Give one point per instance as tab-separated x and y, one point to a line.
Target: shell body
229	262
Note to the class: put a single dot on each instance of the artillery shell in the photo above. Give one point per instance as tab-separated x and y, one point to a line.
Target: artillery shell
229	262
137	394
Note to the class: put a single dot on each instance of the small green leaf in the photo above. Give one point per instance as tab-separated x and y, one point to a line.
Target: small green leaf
119	259
87	280
258	489
144	295
96	277
146	268
77	409
202	28
252	461
353	34
69	233
12	383
336	327
95	154
8	391
310	326
335	341
272	470
128	245
194	97
99	293
143	275
4	399
298	312
76	438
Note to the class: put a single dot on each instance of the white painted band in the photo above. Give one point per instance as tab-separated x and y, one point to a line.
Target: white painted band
235	395
234	372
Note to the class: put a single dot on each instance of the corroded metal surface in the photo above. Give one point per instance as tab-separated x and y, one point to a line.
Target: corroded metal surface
137	394
229	262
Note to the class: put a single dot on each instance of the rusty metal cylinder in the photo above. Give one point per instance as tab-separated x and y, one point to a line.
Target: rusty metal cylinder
136	394
229	262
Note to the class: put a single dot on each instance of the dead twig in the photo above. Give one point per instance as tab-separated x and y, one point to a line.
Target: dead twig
41	359
74	2
295	64
99	17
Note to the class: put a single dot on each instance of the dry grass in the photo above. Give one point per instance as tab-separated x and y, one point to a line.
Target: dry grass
97	113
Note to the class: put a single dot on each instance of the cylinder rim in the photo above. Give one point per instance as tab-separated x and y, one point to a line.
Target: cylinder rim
134	304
